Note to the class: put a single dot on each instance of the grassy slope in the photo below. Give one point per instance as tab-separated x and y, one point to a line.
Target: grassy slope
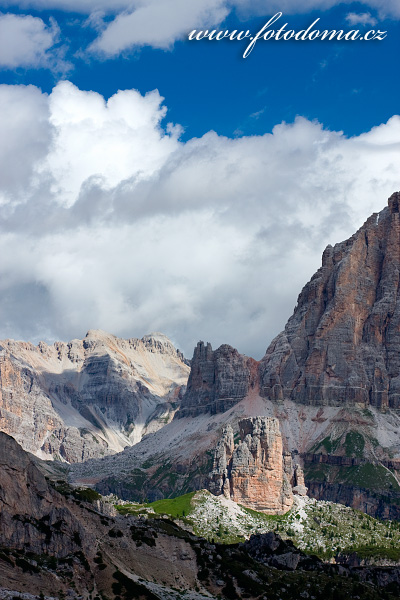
319	527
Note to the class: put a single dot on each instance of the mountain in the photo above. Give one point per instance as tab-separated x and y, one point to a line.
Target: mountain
90	397
342	344
331	379
57	542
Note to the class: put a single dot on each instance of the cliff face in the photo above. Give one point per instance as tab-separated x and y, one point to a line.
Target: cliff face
341	346
59	546
89	397
255	473
218	380
33	515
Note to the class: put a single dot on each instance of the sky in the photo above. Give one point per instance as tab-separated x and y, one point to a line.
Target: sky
152	182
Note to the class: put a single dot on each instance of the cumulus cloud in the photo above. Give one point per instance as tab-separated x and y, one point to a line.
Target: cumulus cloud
25	134
160	23
104	141
26	41
119	225
361	19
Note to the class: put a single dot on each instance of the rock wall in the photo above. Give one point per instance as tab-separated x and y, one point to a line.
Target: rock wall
255	473
32	514
218	380
341	346
380	504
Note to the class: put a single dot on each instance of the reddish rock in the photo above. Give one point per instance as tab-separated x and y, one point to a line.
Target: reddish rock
255	472
341	346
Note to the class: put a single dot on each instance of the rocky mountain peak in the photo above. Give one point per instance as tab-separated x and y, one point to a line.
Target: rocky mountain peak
218	380
341	344
255	472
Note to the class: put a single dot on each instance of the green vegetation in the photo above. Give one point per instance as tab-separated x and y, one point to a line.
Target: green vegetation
80	494
369	476
354	444
317	472
86	495
329	445
316	527
376	552
367	413
175	507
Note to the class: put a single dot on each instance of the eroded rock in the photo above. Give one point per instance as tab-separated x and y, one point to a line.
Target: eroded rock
255	472
341	346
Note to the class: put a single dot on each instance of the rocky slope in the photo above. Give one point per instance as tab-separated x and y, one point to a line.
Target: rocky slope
67	543
89	397
318	527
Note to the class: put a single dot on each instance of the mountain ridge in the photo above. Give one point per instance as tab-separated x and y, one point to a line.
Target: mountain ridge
91	397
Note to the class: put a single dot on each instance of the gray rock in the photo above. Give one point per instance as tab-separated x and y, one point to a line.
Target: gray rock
287	561
88	398
341	346
218	380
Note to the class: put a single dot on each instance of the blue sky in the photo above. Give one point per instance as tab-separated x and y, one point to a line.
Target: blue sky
208	85
199	209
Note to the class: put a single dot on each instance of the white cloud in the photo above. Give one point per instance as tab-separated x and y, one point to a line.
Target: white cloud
361	19
25	135
160	23
25	41
252	7
79	6
211	239
109	141
255	6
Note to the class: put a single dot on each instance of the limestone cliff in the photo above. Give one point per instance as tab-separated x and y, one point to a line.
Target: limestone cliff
218	380
341	346
255	473
89	397
332	378
63	545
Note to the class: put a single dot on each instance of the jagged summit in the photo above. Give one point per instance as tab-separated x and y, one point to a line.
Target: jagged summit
218	380
99	334
158	337
341	346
